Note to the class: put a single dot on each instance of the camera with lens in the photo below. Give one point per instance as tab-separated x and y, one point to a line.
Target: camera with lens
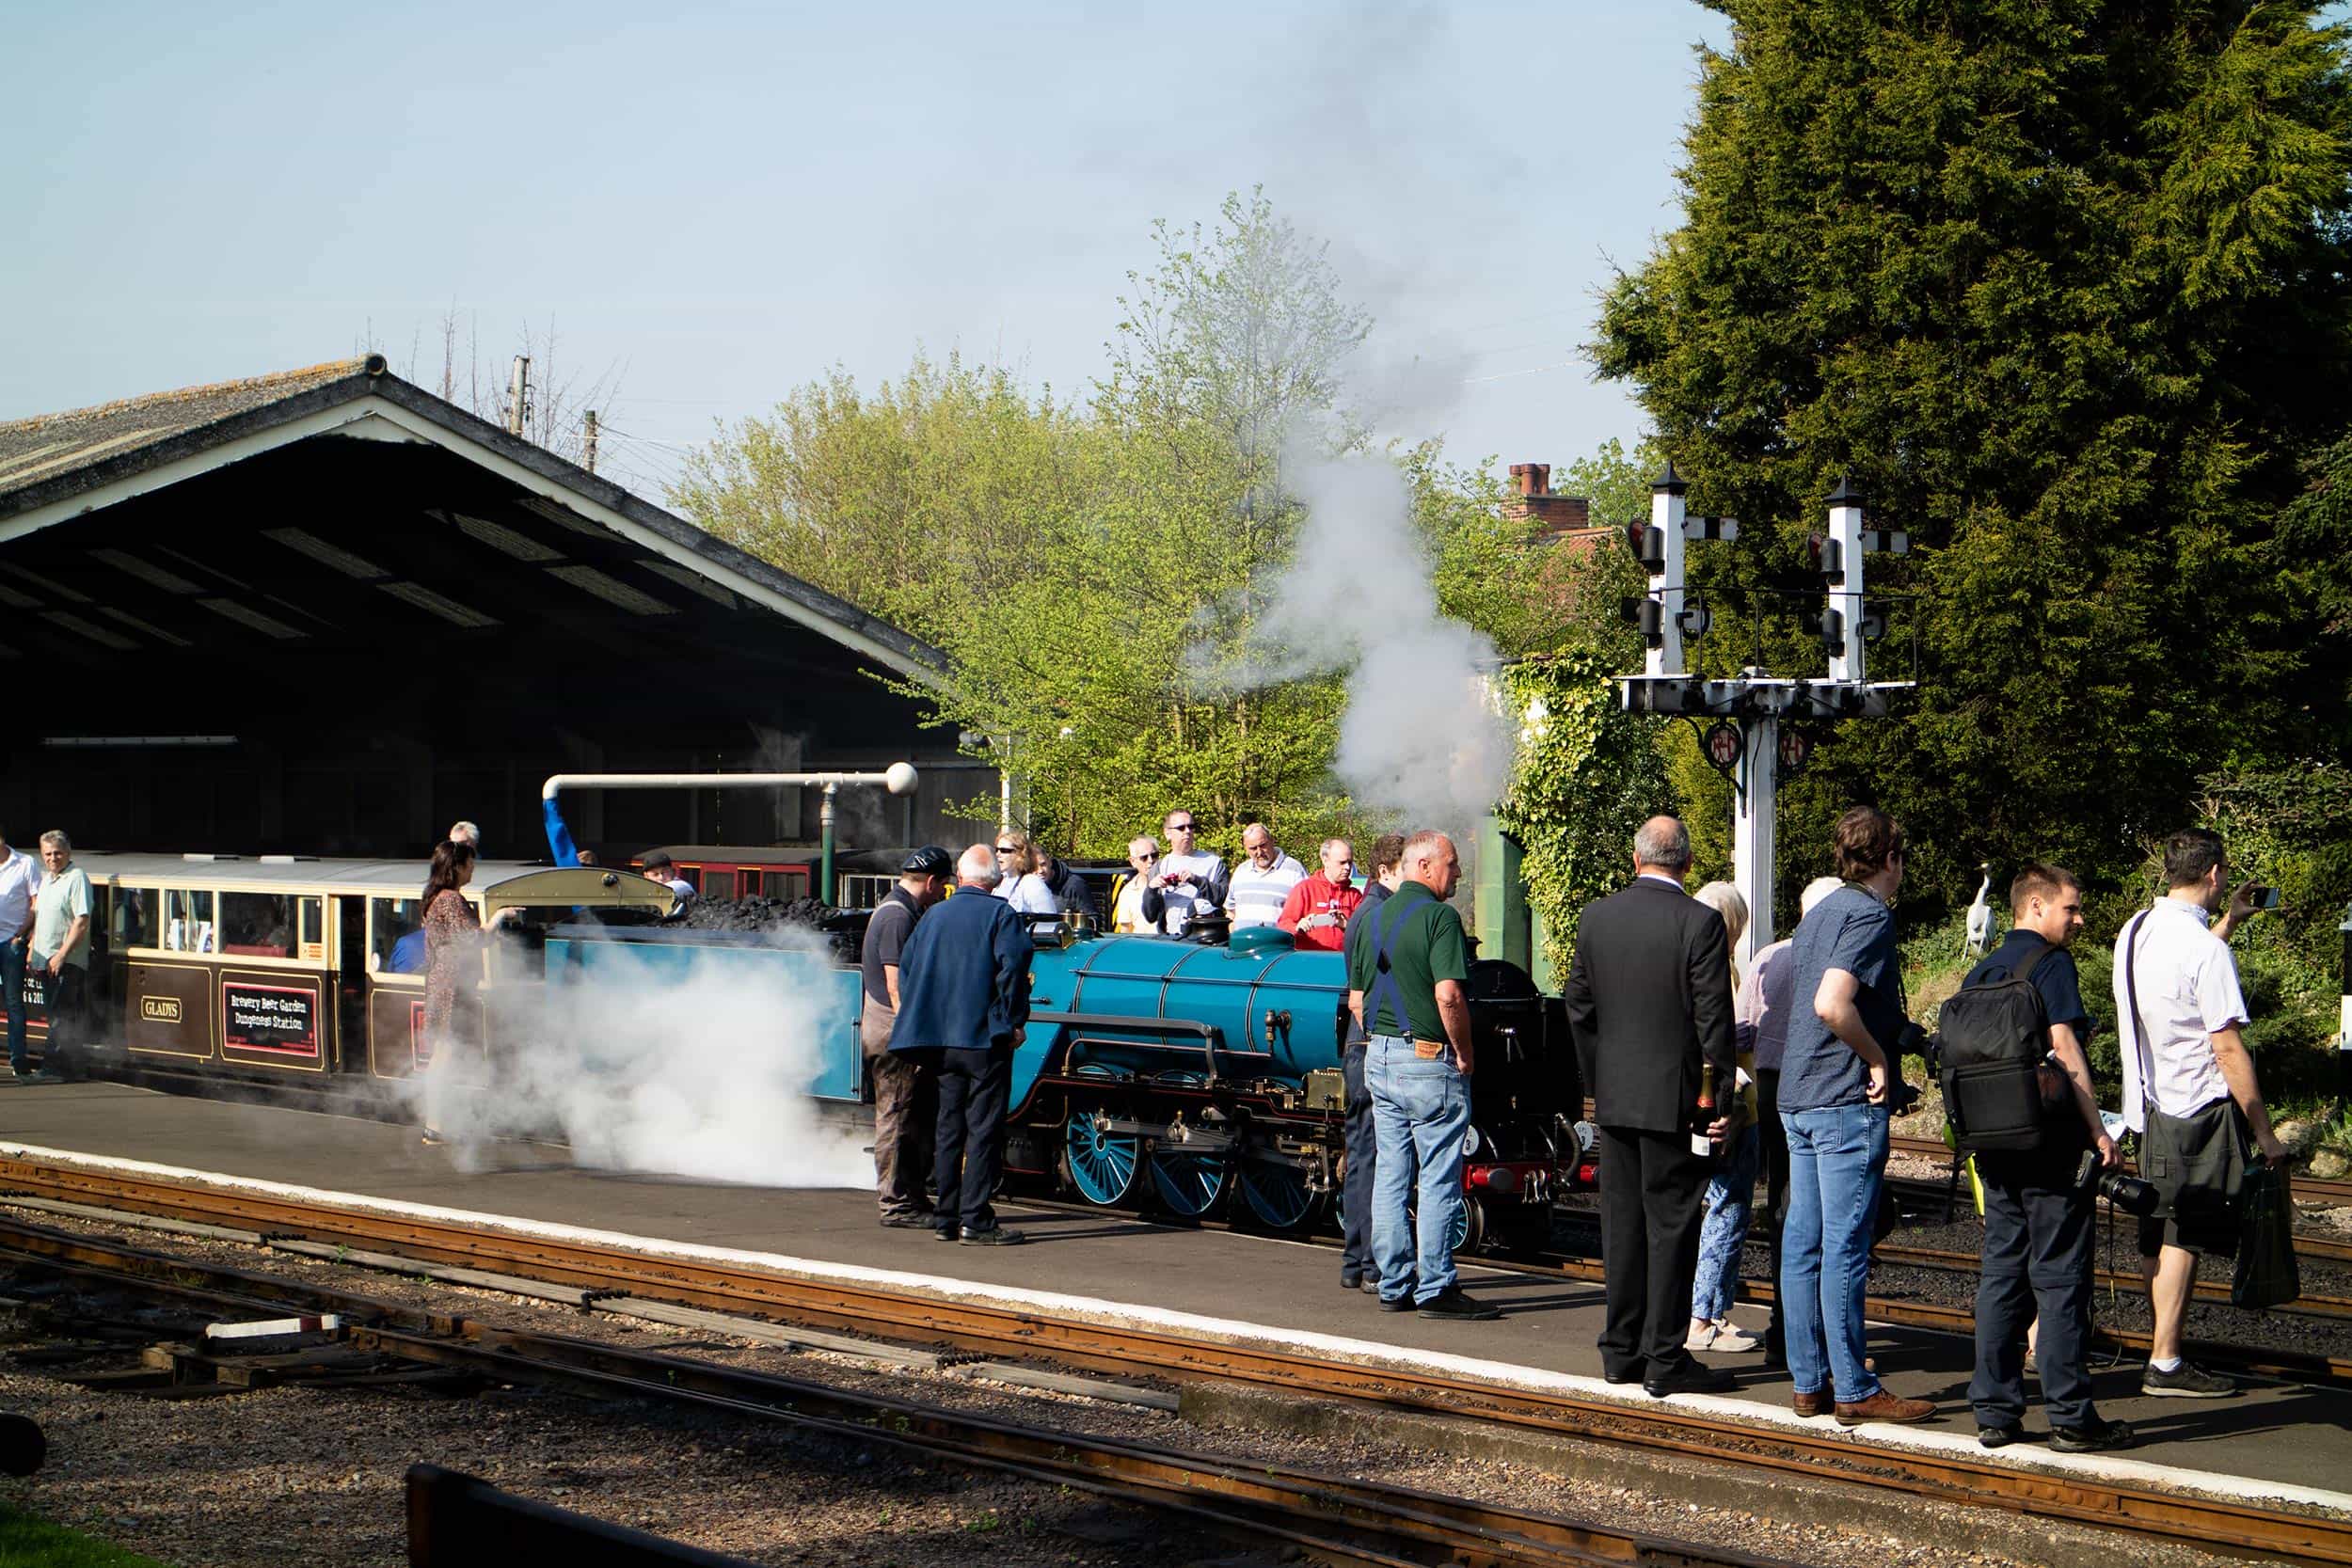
2127	1193
1910	1041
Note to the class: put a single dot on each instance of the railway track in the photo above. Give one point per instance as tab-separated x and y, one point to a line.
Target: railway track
1325	1517
1807	1453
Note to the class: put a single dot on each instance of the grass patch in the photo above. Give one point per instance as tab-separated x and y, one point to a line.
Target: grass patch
27	1542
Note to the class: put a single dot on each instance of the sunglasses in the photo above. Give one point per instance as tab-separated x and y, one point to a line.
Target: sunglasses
1153	856
1180	827
1004	849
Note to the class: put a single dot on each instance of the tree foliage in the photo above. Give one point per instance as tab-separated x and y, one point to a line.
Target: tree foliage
2062	285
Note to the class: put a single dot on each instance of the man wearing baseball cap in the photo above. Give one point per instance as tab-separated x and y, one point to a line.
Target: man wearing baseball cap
905	1092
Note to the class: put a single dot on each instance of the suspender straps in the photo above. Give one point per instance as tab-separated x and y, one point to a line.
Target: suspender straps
1383	984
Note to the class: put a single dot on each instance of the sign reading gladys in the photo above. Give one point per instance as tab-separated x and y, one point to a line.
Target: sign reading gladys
279	1019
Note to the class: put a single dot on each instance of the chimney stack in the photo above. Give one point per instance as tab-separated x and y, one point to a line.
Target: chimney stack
1555	516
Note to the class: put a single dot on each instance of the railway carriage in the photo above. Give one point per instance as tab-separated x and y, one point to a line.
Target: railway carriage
287	969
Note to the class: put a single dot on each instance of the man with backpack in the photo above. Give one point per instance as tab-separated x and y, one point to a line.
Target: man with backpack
2017	1086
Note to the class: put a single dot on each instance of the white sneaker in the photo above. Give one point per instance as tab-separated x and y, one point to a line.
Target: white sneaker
1721	1337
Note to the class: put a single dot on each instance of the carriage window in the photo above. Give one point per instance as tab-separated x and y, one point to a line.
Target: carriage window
691	874
718	884
396	936
188	921
259	924
786	884
311	915
132	922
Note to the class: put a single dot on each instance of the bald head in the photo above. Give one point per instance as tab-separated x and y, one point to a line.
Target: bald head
1429	860
1662	845
977	866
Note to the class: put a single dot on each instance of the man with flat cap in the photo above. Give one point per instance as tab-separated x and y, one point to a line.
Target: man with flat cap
904	1091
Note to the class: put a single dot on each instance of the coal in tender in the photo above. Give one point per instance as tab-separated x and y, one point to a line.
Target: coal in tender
757	914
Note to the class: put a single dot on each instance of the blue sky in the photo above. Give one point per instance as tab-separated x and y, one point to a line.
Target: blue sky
722	201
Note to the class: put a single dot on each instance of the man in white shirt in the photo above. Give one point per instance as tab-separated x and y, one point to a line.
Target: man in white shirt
59	953
19	881
2174	959
1191	881
1262	884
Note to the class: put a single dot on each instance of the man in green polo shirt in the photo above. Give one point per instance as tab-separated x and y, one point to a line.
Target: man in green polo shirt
1406	969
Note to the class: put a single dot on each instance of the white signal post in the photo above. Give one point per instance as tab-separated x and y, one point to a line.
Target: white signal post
1755	700
1661	549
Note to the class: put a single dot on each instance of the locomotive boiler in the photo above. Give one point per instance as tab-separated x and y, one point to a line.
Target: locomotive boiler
1193	1075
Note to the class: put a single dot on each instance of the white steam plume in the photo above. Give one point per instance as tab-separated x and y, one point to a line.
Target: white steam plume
641	1066
1420	739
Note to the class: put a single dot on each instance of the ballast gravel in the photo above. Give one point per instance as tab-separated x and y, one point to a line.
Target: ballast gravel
315	1476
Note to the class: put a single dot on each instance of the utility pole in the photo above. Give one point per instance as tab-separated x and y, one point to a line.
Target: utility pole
518	396
591	421
1747	742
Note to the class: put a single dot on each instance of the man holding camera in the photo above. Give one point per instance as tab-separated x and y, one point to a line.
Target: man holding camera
2189	1088
2038	1215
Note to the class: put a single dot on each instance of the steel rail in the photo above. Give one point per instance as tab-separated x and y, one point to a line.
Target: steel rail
1327	1515
2278	1534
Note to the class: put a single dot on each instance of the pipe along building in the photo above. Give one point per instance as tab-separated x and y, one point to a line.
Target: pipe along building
327	612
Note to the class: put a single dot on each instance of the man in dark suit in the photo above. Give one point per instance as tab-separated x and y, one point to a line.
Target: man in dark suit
1649	1000
963	1000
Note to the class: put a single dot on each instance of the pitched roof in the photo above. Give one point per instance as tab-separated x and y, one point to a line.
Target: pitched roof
51	445
56	466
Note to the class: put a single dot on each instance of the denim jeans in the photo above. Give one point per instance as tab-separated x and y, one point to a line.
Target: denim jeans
1837	1156
1418	1112
1724	1234
1364	1159
12	980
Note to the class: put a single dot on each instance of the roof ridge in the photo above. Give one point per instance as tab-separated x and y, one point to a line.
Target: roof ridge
324	371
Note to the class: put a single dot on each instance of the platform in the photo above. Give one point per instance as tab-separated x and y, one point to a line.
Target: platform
2273	1440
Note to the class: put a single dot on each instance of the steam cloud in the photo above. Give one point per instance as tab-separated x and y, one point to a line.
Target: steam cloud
1420	739
640	1066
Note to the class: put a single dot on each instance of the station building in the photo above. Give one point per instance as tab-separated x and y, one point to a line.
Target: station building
325	613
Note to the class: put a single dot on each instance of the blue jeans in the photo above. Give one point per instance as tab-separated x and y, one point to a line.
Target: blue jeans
1837	1156
1418	1112
1725	1231
12	978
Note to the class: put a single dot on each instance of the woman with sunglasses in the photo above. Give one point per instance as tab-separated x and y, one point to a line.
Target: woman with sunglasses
1018	884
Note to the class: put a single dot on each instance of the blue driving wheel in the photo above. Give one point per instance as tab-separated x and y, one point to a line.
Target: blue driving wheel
1101	1164
1186	1183
1276	1192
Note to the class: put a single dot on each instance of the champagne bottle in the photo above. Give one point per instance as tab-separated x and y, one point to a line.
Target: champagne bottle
1704	1113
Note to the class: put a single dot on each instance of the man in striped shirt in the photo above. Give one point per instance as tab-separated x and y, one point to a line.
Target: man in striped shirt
1263	882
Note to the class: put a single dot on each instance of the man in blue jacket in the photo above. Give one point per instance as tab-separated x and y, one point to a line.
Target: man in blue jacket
963	994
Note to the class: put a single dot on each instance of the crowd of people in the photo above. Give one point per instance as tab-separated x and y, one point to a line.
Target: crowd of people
1705	1073
1700	1073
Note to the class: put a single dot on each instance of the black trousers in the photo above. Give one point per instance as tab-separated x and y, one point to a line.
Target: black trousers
1363	1158
2037	1255
1773	1138
65	998
1650	1188
972	1087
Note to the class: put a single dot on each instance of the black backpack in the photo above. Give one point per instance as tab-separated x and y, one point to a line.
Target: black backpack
1991	1040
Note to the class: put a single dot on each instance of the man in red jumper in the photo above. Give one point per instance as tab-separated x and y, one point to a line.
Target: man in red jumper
1317	909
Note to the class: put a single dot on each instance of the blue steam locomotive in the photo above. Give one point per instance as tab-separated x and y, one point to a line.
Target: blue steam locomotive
1198	1076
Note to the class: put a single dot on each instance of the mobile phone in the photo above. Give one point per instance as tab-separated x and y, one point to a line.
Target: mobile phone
2260	897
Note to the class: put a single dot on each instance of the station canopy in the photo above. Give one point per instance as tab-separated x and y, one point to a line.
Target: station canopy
327	612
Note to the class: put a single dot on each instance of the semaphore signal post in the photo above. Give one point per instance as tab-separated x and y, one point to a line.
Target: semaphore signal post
1747	741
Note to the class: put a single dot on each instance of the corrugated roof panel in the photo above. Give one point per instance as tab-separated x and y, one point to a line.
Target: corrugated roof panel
686	577
147	571
431	603
611	589
56	589
169	639
505	540
245	615
325	554
88	630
